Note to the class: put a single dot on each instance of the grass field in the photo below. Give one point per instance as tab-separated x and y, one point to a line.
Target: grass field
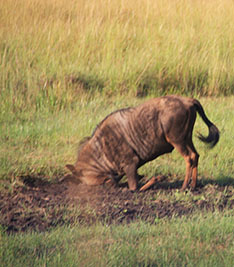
200	241
54	51
65	65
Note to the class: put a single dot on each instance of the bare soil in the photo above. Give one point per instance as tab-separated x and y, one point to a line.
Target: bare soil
37	204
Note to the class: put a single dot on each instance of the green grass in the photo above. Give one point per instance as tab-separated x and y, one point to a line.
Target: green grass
203	240
53	52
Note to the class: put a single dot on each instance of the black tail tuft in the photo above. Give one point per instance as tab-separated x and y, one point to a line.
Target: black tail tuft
213	137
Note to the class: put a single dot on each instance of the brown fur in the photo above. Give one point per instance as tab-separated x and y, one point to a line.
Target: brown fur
128	138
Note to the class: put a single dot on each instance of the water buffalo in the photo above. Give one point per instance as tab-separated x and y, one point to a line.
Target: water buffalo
128	138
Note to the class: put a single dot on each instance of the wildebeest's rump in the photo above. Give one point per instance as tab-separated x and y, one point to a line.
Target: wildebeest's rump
128	138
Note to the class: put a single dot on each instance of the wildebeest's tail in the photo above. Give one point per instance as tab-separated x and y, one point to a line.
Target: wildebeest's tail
213	136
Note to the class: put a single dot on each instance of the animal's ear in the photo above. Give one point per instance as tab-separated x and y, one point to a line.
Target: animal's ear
72	169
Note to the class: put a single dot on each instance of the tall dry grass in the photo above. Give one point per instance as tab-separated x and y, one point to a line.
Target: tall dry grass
53	51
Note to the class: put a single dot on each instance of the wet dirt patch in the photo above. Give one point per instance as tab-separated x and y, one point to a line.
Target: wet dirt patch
39	205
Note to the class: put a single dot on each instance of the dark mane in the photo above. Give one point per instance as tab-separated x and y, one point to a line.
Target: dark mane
112	113
82	144
85	140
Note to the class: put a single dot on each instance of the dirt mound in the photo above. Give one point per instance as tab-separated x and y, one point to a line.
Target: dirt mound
40	205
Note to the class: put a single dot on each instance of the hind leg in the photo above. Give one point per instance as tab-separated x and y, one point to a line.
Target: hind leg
190	155
193	163
181	147
195	158
188	172
185	153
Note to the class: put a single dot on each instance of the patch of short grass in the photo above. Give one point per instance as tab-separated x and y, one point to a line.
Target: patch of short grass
203	240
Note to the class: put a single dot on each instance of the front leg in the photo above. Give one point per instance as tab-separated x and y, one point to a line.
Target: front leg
132	177
151	182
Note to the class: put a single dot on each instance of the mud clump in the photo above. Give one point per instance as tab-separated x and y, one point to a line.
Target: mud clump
39	205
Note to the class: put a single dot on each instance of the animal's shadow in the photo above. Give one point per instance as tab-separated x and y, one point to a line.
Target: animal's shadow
34	181
167	184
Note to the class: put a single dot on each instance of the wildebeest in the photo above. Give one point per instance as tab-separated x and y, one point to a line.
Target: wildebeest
128	138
